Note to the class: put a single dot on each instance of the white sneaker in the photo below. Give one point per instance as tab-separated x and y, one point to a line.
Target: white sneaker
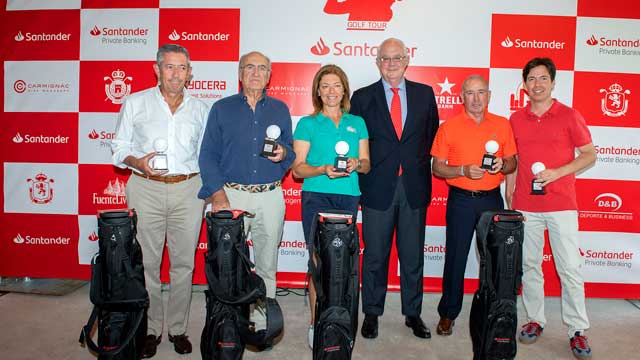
310	339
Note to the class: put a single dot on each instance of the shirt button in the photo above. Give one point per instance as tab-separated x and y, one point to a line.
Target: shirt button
255	155
255	122
254	139
254	171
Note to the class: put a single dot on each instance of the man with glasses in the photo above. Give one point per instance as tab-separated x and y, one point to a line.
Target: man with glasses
158	136
402	120
235	175
457	157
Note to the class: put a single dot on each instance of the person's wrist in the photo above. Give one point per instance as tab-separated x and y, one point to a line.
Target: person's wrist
461	170
359	166
504	165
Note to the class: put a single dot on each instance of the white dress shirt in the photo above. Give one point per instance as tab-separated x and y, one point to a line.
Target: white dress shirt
145	116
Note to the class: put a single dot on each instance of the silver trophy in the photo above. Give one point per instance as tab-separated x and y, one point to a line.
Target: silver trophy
491	147
342	148
536	187
159	161
270	144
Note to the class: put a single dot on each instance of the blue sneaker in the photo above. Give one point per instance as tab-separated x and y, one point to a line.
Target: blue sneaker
530	333
580	346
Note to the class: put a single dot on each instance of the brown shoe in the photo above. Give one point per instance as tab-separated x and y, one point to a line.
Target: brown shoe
181	343
150	346
445	326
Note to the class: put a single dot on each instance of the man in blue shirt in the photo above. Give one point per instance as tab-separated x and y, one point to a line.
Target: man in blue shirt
234	175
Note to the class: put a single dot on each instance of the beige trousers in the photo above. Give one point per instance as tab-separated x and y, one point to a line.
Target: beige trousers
174	211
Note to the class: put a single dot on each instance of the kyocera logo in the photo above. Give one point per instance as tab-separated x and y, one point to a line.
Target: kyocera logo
40	240
340	48
207	85
531	44
41	37
608	201
603	41
174	36
102	135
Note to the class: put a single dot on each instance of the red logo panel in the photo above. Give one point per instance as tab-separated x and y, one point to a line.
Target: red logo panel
104	84
436	213
608	205
515	39
208	34
101	187
46	250
292	190
119	4
446	84
608	99
618	9
40	137
291	83
41	35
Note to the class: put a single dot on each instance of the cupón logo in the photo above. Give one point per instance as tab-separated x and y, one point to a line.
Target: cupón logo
41	190
372	15
320	48
614	102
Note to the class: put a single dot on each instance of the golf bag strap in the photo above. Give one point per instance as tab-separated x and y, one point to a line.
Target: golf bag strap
275	324
85	335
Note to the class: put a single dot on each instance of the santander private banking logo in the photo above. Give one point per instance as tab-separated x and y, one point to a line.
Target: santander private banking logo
368	15
614	102
117	86
592	41
40	189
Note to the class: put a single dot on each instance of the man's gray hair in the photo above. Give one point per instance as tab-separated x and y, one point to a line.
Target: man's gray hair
390	40
171	48
245	56
474	77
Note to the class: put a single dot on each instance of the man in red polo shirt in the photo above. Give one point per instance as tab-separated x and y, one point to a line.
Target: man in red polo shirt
549	132
458	151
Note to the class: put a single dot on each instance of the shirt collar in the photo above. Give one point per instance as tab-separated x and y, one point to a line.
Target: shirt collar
186	97
262	100
552	110
387	87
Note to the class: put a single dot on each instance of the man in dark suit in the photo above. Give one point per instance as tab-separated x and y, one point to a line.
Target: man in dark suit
402	120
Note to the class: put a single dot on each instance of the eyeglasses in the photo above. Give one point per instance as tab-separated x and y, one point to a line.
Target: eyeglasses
252	67
389	60
171	67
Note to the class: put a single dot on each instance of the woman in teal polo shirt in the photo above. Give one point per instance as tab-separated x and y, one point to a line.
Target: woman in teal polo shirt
314	142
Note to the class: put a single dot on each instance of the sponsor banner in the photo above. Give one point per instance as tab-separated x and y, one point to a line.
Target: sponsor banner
87	239
119	34
618	154
40	188
292	190
608	205
608	45
293	255
291	83
41	86
100	4
515	39
436	212
508	94
40	137
208	34
101	187
38	5
607	99
104	84
46	250
213	81
95	133
599	8
41	35
446	84
610	257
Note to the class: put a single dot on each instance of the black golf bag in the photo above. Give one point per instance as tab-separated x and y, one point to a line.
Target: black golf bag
493	319
117	289
334	267
233	289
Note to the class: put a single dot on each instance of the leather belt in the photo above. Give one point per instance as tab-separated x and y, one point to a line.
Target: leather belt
168	179
475	193
254	188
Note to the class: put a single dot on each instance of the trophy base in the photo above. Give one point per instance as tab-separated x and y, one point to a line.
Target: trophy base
487	162
268	148
340	165
537	189
160	162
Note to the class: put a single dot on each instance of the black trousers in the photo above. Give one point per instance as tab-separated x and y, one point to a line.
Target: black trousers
377	235
463	212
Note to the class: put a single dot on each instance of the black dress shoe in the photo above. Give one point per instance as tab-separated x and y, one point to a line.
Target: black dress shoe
417	325
370	326
150	346
181	343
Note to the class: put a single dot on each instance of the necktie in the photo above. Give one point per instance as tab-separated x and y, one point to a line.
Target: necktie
396	117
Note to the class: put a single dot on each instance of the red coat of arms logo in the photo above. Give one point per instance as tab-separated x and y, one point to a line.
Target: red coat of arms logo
117	86
614	102
40	191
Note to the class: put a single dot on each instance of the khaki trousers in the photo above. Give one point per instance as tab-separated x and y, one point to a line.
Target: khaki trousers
174	211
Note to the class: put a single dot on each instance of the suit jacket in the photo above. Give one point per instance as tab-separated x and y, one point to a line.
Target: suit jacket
388	152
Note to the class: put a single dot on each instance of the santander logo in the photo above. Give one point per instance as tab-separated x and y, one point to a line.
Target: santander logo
18	239
320	48
93	134
592	41
18	138
95	31
174	35
19	37
93	236
507	43
609	201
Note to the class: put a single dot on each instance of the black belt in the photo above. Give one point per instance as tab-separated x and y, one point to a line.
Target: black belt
475	193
